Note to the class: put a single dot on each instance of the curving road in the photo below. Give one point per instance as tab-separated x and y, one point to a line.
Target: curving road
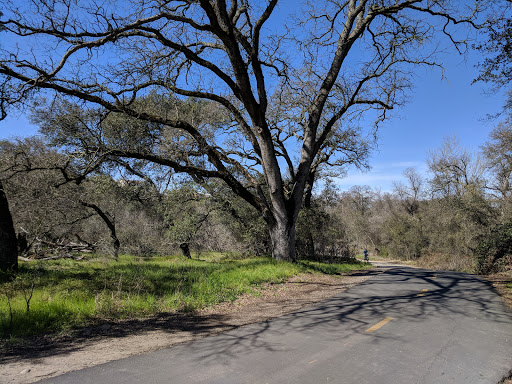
405	325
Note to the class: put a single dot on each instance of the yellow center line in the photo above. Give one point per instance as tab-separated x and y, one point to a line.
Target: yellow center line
311	362
423	291
380	324
434	277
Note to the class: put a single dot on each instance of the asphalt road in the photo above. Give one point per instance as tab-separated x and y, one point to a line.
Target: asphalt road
405	325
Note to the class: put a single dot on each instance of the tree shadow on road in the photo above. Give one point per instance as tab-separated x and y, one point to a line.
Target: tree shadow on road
396	293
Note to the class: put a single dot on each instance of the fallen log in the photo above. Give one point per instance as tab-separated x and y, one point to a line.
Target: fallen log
54	257
67	247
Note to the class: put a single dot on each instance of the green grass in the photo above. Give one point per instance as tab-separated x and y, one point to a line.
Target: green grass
68	293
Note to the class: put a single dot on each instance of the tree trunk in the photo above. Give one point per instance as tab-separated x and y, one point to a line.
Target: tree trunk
311	246
186	250
117	245
8	243
111	224
308	190
22	243
308	194
282	237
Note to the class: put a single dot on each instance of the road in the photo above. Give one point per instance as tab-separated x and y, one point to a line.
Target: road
405	325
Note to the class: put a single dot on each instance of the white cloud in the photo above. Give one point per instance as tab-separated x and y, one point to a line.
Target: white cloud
381	176
407	164
377	180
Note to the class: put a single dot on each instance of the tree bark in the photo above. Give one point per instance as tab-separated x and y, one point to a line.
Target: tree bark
8	243
308	194
282	237
186	250
110	222
22	243
116	245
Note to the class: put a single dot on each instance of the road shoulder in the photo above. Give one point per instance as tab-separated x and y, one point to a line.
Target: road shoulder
499	282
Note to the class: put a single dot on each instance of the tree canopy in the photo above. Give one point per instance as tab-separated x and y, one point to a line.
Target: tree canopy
281	99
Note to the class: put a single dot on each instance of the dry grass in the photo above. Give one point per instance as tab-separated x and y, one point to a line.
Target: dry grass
440	261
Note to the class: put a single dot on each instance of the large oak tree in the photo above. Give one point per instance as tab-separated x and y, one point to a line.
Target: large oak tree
292	93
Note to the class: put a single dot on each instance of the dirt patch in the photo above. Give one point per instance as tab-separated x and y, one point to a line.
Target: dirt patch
51	356
500	282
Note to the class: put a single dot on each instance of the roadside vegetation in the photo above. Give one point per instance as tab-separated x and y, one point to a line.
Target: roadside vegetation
54	296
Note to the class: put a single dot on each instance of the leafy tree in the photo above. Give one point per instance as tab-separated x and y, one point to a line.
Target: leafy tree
283	114
47	207
459	207
31	173
243	228
494	251
498	153
355	209
321	232
404	237
402	229
496	68
186	211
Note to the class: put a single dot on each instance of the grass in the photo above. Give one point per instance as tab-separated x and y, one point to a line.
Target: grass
54	296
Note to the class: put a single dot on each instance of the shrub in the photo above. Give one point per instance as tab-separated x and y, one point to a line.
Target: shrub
494	251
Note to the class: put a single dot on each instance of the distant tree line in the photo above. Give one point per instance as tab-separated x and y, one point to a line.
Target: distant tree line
112	209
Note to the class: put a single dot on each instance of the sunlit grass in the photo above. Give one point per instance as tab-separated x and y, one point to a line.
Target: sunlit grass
65	293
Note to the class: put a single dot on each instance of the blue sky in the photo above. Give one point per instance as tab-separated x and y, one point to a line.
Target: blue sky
437	108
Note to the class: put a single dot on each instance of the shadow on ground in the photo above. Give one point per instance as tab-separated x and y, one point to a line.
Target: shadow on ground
449	293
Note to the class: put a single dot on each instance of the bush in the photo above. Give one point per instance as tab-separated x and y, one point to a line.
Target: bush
404	237
494	251
319	236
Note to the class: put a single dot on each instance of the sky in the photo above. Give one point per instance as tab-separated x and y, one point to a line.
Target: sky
437	107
